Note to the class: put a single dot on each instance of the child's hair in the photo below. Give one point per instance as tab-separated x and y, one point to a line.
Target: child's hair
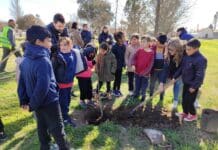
58	18
118	36
181	29
85	25
37	32
104	46
153	39
194	43
135	35
65	39
146	38
179	47
74	25
162	38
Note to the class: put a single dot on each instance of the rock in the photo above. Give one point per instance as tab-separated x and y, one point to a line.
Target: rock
209	120
155	136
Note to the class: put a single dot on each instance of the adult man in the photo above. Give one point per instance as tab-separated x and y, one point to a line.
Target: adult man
86	35
7	40
57	29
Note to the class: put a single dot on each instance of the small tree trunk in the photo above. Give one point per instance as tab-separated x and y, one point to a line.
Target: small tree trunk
157	19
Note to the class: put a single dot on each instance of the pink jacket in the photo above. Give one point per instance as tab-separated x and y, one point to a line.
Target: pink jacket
88	72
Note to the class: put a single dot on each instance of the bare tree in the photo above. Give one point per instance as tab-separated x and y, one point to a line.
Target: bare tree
157	17
15	9
116	10
28	20
168	13
136	13
96	12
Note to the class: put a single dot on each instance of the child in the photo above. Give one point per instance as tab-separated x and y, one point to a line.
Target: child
105	68
2	132
37	88
119	51
129	54
84	78
159	68
142	65
64	69
176	53
192	71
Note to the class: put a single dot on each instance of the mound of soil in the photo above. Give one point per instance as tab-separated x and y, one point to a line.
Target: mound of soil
148	117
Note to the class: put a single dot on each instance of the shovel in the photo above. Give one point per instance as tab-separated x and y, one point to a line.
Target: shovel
131	113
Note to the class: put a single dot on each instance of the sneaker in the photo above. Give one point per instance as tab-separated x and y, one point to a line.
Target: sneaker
115	93
103	95
2	136
175	103
181	115
131	93
190	118
119	92
196	104
70	122
82	104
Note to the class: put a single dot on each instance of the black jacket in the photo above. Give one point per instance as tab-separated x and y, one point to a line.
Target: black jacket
192	70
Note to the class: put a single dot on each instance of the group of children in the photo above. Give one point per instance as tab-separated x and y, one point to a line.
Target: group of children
45	83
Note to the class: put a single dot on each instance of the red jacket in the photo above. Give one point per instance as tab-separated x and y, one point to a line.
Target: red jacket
143	62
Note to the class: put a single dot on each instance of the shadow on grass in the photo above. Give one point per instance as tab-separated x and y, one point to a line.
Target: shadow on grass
25	142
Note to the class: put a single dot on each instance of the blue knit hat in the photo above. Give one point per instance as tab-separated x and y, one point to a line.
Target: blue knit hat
37	32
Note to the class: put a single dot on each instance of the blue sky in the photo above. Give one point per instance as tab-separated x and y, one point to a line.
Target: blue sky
201	14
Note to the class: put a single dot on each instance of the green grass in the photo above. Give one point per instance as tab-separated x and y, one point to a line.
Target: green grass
21	127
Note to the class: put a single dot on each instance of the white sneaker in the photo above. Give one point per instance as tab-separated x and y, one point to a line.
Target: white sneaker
131	93
196	104
175	103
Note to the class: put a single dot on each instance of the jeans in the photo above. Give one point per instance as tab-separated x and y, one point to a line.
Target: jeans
131	81
177	87
141	84
157	75
49	121
6	52
64	100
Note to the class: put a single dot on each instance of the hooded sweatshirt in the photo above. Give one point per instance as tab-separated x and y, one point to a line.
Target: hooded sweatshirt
37	85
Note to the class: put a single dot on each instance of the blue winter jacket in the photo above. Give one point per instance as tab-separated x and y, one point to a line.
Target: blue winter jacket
105	37
64	67
86	36
119	52
185	36
37	85
192	70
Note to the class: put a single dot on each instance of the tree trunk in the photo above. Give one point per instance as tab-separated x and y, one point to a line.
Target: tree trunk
157	19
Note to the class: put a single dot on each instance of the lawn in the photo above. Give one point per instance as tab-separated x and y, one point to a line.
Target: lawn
21	127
